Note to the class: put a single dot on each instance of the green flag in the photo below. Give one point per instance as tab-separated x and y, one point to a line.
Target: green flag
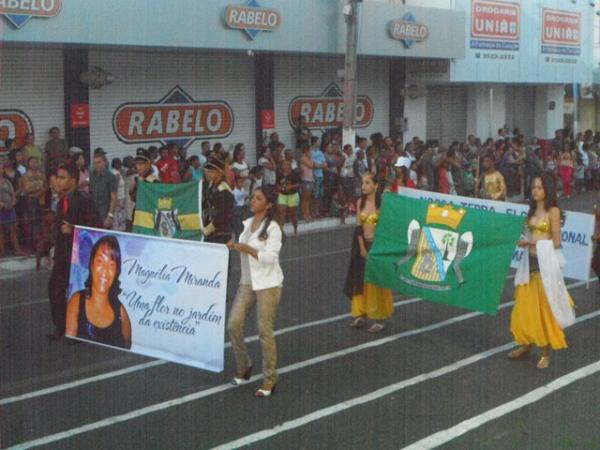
169	210
453	255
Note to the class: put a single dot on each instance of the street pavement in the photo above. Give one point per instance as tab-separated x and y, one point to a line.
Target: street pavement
436	377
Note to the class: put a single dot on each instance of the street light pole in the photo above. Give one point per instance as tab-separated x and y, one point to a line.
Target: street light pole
351	18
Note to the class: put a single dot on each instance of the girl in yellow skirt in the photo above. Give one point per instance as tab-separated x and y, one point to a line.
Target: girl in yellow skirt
542	305
368	301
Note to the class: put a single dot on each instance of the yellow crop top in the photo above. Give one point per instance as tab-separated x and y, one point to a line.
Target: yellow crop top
371	219
542	227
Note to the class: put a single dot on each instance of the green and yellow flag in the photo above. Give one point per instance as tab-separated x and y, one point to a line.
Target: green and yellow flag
447	254
169	210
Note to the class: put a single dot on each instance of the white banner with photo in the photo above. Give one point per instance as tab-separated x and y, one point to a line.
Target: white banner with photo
163	298
576	233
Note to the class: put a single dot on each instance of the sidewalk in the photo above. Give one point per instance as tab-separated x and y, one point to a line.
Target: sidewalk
16	264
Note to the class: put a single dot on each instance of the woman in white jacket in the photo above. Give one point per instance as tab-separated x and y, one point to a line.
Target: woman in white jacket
260	283
543	307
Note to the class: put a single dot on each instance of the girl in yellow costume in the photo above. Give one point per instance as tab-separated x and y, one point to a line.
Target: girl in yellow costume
542	305
368	301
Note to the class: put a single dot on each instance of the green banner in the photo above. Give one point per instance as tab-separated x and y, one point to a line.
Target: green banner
458	256
169	210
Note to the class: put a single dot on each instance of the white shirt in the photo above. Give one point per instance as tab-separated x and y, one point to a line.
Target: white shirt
240	196
269	176
241	168
264	272
347	170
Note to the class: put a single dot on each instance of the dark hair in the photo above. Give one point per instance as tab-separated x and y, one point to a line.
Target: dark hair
193	158
551	200
70	167
115	254
405	175
116	163
237	150
52	129
490	156
270	193
127	160
363	197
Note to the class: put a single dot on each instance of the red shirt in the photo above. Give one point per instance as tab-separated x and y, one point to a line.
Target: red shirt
444	186
169	170
409	184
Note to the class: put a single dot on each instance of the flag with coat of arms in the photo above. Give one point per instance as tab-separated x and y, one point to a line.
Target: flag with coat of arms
169	210
453	255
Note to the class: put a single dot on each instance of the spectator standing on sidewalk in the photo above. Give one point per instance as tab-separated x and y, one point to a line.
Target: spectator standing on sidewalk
491	185
240	167
269	167
30	149
194	172
168	166
320	163
130	175
34	187
347	179
84	173
288	199
103	187
56	150
240	198
566	169
8	216
307	177
119	222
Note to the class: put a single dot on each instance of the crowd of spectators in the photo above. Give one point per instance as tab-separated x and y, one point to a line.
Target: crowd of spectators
316	176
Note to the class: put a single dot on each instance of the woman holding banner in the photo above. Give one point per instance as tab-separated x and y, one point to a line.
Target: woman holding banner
95	313
543	307
260	283
368	301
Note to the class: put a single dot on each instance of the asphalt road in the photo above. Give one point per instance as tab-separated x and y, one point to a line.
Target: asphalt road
437	376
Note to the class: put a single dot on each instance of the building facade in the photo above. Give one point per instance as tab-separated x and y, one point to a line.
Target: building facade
120	75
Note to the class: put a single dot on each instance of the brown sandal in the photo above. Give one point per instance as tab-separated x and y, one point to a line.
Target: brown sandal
519	352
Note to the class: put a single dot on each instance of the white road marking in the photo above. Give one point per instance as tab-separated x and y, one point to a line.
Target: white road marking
144	366
156	363
284	260
443	437
301	365
438	438
24	304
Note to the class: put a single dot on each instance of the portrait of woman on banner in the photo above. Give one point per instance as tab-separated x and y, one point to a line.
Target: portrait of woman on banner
95	313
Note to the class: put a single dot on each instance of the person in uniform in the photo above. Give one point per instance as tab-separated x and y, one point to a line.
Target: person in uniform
74	208
217	205
143	166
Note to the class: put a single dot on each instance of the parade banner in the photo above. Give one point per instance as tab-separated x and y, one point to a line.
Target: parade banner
163	298
454	255
169	210
576	233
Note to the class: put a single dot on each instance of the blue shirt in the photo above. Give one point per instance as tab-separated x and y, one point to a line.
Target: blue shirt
197	174
318	158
